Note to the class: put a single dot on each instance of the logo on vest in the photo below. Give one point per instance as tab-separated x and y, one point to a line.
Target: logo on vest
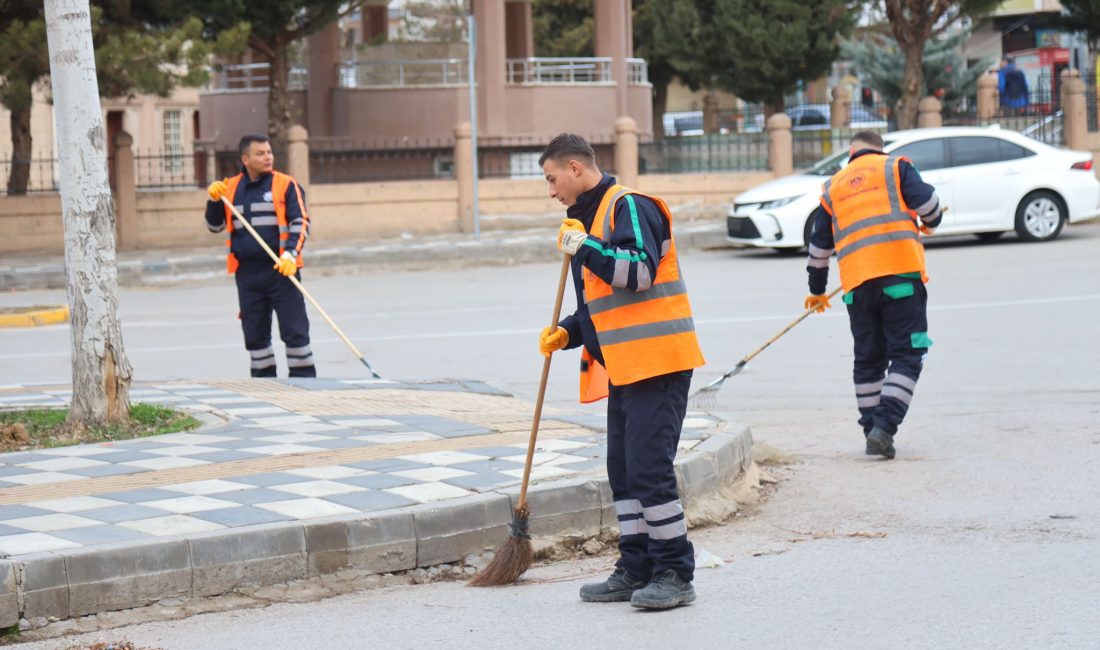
267	196
855	182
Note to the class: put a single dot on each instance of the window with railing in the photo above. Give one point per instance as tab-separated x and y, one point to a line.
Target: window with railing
404	74
559	70
173	141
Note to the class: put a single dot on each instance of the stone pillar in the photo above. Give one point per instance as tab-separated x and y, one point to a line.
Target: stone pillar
780	145
626	151
614	38
840	111
711	119
464	175
491	66
929	113
126	226
520	37
1075	125
297	159
987	97
324	55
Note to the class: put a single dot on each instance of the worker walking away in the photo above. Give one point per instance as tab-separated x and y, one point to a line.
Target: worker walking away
635	324
872	213
274	203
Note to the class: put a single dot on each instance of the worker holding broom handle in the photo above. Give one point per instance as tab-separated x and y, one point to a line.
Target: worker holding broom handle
274	204
872	213
634	322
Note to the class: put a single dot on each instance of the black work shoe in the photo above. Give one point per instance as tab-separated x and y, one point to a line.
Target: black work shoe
666	591
617	588
880	443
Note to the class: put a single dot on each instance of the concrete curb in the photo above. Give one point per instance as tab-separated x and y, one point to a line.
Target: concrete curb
526	246
36	316
35	589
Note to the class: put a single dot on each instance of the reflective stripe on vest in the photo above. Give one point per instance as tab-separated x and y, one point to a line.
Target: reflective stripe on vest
280	183
642	334
874	231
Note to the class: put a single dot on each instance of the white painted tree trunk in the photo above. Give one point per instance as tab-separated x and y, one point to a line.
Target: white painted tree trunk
101	372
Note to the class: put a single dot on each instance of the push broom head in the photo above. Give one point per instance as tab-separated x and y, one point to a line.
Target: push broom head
513	559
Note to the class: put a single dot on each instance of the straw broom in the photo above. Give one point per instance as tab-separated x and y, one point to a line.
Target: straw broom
516	555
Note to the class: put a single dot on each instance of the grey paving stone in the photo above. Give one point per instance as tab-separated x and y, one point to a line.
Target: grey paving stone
370	500
252	497
117	514
595	451
389	465
243	516
8	530
376	481
20	457
488	466
106	534
596	422
440	426
124	456
15	470
482	482
586	465
225	456
494	452
273	478
236	443
263	554
338	443
140	496
106	470
313	383
15	512
127	575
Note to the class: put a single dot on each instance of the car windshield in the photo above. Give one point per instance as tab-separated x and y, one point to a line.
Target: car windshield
834	163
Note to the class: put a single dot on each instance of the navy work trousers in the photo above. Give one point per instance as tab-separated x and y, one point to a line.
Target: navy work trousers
260	290
643	429
890	331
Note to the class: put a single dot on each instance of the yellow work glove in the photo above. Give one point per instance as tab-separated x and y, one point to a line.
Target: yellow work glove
571	236
552	339
286	264
817	303
217	189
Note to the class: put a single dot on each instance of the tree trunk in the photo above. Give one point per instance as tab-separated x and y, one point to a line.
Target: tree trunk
912	84
20	174
660	103
278	102
101	371
776	105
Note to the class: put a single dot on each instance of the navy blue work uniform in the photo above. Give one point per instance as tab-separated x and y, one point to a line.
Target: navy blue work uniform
261	289
644	418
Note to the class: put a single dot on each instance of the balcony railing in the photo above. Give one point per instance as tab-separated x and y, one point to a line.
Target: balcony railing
256	76
637	72
439	73
546	70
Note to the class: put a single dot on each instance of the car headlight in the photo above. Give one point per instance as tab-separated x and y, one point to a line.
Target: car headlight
778	203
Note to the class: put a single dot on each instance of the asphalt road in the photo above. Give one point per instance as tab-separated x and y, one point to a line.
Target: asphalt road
984	533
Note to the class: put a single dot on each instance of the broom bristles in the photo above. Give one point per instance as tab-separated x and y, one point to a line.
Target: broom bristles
512	560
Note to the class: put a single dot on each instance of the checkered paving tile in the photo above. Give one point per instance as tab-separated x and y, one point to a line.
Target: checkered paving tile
256	426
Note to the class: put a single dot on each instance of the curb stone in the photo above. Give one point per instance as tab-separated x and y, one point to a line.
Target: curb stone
79	582
36	317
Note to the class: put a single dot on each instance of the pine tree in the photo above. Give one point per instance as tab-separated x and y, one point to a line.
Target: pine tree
664	33
563	28
1081	16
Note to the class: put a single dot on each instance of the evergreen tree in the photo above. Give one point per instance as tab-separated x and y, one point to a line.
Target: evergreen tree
563	28
664	32
943	69
759	51
1081	16
145	47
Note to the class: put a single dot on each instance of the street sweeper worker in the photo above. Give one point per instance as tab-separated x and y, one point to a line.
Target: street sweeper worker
634	323
872	213
274	203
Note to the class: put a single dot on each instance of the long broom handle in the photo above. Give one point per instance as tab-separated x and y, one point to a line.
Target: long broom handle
312	301
786	329
542	389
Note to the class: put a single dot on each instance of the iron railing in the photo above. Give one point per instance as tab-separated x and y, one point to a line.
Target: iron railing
559	70
445	73
637	71
518	157
41	170
704	153
256	76
344	161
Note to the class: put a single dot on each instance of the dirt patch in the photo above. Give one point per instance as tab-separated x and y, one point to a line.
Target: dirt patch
13	436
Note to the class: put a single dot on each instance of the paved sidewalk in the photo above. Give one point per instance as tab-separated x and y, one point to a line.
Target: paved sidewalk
159	267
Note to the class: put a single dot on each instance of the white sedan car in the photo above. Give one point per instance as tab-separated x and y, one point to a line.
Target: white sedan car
992	180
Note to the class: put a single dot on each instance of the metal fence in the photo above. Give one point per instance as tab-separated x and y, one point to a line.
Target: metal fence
809	147
518	157
172	169
404	74
704	153
342	161
41	172
559	70
1040	117
255	76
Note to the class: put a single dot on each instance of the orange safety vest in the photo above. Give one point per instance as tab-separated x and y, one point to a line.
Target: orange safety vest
874	231
642	334
280	182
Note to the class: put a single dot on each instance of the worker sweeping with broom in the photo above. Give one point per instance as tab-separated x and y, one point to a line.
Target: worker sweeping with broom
634	323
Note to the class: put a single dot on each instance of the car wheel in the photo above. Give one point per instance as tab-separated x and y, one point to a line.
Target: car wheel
988	236
1040	216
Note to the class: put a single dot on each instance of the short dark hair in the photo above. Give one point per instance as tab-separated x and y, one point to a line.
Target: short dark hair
1010	60
569	146
246	142
868	137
